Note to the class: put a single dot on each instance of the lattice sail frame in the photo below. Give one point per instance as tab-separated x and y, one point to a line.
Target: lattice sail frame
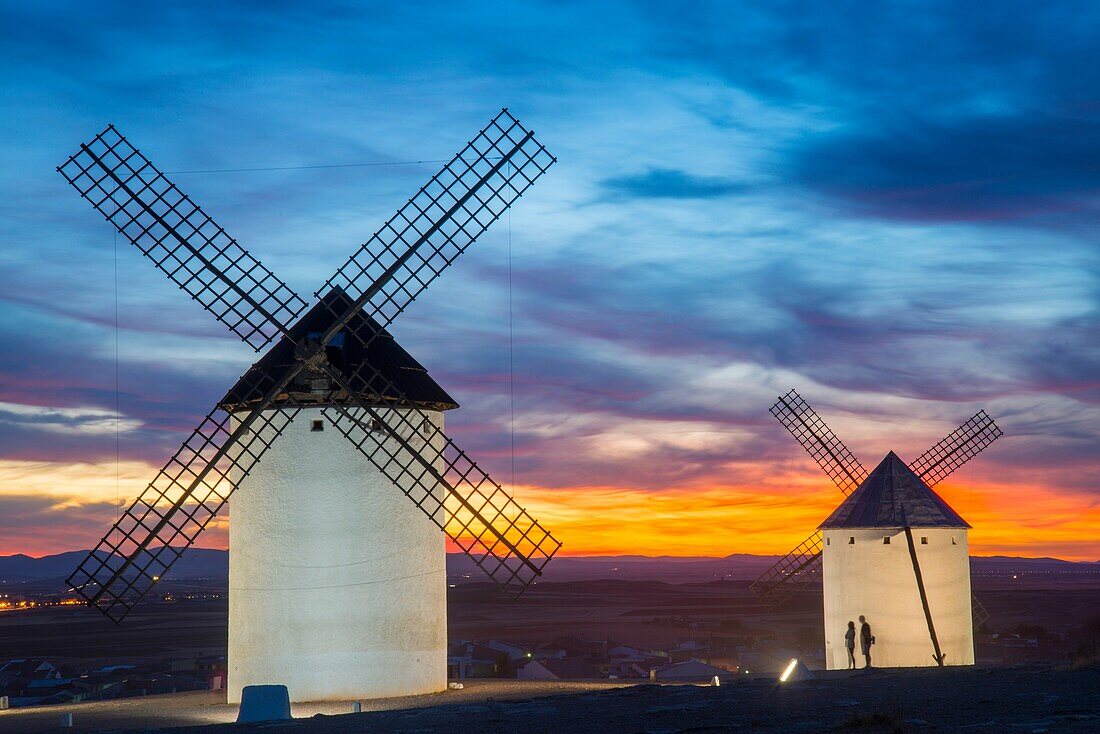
820	442
123	567
955	449
178	504
475	512
447	214
798	569
801	567
180	239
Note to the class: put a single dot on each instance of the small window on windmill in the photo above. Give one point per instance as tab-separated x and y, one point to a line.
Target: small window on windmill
374	425
316	425
828	541
953	541
923	540
886	540
851	540
425	428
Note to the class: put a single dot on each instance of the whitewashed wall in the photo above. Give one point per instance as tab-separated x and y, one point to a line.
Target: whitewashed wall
877	581
337	580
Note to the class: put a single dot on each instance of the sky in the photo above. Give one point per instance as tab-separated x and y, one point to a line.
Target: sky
892	209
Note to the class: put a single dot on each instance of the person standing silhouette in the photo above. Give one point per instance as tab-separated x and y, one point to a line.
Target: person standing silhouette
866	639
850	644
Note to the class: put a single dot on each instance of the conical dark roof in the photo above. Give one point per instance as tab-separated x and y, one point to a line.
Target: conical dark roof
346	353
892	496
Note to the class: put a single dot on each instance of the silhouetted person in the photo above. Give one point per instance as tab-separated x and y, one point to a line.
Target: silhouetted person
866	639
850	644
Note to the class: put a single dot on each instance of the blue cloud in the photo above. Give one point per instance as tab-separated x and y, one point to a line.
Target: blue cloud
662	183
1022	167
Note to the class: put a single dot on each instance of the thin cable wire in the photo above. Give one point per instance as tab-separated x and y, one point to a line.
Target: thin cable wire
511	358
304	168
118	497
319	166
343	586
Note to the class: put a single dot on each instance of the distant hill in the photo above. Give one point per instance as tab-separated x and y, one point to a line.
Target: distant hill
196	563
206	563
1008	564
670	569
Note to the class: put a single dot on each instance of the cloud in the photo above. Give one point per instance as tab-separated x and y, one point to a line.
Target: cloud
1025	166
54	506
82	421
662	183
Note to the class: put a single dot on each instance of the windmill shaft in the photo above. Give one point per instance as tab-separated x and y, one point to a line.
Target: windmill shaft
241	428
379	283
232	284
428	465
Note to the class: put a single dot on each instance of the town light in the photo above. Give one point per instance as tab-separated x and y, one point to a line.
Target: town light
790	669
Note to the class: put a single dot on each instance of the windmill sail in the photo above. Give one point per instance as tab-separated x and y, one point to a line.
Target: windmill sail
950	453
475	512
801	567
176	506
442	220
956	448
797	570
820	442
181	239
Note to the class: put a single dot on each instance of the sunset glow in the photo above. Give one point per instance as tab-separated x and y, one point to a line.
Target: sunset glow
697	520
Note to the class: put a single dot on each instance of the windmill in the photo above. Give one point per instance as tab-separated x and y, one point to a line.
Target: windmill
802	567
315	508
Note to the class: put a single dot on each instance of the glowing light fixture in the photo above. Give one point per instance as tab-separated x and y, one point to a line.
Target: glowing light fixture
790	669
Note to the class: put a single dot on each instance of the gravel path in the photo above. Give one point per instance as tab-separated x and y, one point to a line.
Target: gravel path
1023	699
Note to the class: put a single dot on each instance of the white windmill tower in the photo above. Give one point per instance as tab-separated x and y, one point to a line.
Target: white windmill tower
913	588
897	554
337	580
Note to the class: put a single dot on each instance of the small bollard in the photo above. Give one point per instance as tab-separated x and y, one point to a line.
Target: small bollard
264	703
714	682
67	721
652	675
356	707
3	702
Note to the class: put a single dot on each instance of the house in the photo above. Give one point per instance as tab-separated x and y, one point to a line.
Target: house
691	671
632	662
581	647
26	669
557	669
514	652
472	660
626	668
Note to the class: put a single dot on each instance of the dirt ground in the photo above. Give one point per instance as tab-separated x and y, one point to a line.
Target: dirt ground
1034	699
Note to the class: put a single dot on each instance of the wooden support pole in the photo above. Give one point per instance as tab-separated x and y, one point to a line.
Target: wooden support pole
937	655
